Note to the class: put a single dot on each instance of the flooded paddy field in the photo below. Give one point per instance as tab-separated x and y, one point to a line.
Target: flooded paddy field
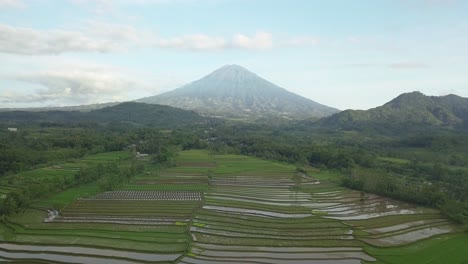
223	209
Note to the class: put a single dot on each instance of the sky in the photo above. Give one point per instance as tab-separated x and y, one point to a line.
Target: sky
345	54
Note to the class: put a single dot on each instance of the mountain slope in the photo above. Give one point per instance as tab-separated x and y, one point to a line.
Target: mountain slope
130	112
407	110
233	91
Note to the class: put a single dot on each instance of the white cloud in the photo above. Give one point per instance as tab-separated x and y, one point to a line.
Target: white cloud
261	40
72	80
193	42
202	42
408	65
394	66
29	41
12	4
301	41
73	86
100	37
444	92
103	38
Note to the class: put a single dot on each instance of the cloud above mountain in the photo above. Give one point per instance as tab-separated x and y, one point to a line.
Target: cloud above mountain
321	50
95	37
72	86
106	38
12	4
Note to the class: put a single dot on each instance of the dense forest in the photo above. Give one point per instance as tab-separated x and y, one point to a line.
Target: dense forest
427	167
49	145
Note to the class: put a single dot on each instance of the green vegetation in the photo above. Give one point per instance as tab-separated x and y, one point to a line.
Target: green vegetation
407	111
276	210
43	182
443	249
127	113
66	197
219	188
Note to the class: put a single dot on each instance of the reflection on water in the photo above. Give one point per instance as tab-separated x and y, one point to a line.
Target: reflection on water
272	261
254	212
72	254
411	236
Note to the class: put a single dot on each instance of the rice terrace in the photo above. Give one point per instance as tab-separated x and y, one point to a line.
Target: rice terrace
223	209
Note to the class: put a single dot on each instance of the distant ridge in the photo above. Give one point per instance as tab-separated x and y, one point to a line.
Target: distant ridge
81	108
129	112
233	91
408	109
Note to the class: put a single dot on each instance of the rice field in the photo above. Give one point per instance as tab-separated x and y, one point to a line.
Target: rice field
59	173
230	209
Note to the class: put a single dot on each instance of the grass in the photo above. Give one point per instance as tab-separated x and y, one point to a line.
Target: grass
394	160
322	175
130	208
46	174
59	200
318	212
63	172
442	249
195	155
108	156
234	164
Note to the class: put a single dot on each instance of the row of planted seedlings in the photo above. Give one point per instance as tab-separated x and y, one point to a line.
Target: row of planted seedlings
383	221
122	224
166	181
122	227
257	217
157	207
82	242
146	195
179	178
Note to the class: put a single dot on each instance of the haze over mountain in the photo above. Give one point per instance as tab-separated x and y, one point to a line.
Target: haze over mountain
407	110
129	112
233	91
81	108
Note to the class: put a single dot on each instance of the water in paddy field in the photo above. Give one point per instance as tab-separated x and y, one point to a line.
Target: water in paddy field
241	218
83	255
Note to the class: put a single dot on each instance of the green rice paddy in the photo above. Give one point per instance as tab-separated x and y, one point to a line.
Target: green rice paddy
228	208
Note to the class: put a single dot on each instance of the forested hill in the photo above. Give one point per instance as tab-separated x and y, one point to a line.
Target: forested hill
129	112
407	111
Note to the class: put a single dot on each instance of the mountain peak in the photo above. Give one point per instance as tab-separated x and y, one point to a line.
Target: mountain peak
232	67
232	72
232	90
412	99
405	111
